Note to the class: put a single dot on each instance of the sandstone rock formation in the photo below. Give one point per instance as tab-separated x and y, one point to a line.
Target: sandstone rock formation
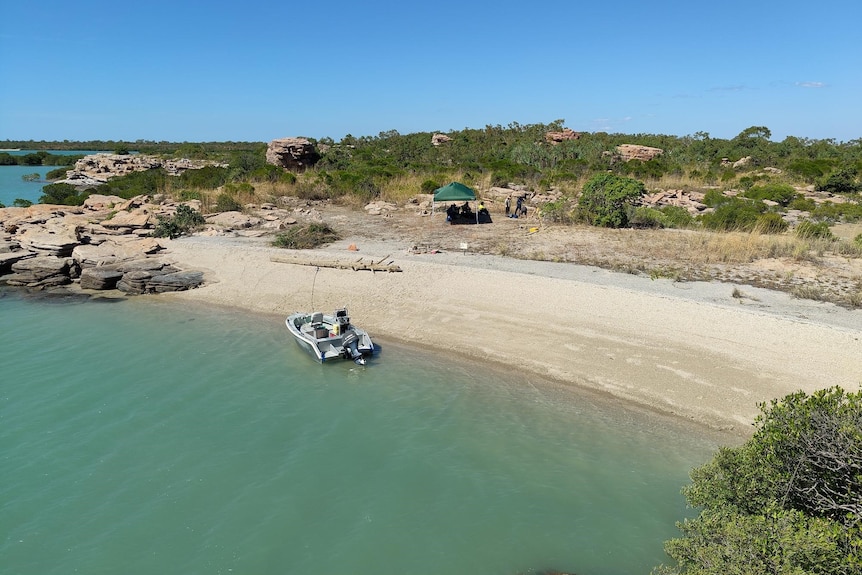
97	169
292	153
440	139
557	137
692	202
47	246
634	152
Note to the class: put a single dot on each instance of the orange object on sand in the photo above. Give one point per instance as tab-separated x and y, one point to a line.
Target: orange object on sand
353	248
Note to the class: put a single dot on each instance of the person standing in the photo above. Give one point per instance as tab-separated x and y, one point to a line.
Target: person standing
508	205
518	206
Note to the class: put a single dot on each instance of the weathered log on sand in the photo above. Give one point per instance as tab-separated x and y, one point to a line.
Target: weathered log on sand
355	265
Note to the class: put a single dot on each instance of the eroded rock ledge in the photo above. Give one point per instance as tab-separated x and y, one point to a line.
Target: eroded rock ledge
105	244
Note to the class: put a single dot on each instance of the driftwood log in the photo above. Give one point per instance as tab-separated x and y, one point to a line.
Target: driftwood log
356	265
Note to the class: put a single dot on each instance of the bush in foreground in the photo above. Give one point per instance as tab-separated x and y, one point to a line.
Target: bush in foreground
788	501
184	221
606	199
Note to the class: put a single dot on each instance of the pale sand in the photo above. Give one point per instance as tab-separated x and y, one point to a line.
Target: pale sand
691	349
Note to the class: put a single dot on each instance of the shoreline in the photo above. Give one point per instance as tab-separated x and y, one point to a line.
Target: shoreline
704	352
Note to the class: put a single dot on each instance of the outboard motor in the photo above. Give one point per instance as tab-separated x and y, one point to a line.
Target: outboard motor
350	342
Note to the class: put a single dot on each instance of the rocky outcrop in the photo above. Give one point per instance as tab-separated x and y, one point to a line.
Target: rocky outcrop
107	242
630	152
563	136
97	169
100	278
293	154
692	202
380	208
40	272
47	246
233	220
440	139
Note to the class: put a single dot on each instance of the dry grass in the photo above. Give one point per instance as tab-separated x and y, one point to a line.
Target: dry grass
705	247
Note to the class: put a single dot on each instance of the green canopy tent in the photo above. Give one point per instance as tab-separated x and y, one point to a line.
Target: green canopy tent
455	192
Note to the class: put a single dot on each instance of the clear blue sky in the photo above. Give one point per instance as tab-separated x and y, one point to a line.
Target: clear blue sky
255	71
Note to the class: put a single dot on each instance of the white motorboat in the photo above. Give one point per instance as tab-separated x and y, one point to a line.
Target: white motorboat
329	337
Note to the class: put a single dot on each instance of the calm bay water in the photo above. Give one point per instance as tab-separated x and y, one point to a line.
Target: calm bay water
147	437
12	186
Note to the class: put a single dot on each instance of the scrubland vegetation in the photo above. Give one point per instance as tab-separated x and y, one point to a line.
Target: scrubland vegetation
763	198
785	502
788	501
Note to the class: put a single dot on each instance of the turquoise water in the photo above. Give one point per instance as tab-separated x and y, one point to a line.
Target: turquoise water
13	187
147	437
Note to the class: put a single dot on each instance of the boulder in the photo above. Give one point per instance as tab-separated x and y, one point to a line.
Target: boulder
178	281
100	202
233	220
440	139
40	272
630	152
115	250
292	153
138	218
56	240
134	282
12	257
100	278
564	135
380	208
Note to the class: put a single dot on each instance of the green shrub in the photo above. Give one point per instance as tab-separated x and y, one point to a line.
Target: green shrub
606	198
676	217
207	178
858	240
428	186
308	190
781	194
305	237
34	177
745	182
651	169
713	198
841	182
558	211
242	187
184	221
22	203
807	229
734	214
803	204
227	203
56	173
186	195
269	173
727	175
136	184
810	170
770	223
834	212
646	217
785	502
63	194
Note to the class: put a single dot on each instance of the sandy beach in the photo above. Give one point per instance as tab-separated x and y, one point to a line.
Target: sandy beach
706	352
